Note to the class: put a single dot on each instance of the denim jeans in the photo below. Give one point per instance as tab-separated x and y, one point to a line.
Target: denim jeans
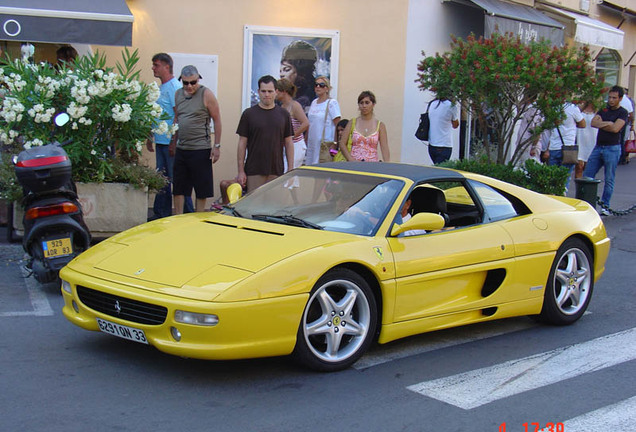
439	154
162	206
556	158
604	156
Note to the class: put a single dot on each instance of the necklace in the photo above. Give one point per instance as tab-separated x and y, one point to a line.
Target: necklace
365	123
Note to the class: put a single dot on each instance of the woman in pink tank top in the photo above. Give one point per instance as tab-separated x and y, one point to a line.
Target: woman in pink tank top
366	133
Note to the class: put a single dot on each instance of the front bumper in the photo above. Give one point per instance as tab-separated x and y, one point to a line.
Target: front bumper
246	329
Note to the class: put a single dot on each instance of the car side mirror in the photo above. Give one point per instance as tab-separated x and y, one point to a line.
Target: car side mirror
420	221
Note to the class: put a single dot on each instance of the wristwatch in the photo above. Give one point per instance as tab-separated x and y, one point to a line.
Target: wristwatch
217	145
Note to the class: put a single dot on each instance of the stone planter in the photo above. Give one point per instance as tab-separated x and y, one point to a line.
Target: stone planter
108	208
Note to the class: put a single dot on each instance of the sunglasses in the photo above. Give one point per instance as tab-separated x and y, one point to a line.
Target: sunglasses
185	83
321	85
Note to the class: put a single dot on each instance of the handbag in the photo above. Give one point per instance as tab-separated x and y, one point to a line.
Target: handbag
340	157
570	152
630	144
425	124
325	146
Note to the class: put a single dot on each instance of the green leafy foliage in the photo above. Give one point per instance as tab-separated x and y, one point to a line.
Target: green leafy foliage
509	79
545	179
111	112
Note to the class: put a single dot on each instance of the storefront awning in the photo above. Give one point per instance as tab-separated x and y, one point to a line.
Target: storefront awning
623	6
103	22
524	21
590	31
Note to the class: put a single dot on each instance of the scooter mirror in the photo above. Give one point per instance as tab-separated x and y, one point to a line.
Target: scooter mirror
62	118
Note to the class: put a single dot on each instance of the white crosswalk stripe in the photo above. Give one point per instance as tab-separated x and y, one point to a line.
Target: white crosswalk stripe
478	387
619	417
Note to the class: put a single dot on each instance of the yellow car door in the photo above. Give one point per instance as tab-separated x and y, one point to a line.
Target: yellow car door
445	272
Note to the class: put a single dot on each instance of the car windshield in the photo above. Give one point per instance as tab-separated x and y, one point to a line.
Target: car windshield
316	199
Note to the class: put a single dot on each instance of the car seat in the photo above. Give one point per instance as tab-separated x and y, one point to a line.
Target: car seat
429	199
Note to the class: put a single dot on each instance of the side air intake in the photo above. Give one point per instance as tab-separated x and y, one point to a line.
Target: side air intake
493	281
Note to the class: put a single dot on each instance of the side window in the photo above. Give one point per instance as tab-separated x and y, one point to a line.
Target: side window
451	199
496	205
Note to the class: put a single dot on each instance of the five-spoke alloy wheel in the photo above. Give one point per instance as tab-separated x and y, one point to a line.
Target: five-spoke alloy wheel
570	284
338	323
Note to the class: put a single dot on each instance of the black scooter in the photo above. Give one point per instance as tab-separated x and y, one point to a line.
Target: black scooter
54	228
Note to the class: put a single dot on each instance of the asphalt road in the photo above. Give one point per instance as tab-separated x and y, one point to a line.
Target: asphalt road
505	375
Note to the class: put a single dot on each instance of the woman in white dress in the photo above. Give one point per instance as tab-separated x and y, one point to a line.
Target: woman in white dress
324	115
585	138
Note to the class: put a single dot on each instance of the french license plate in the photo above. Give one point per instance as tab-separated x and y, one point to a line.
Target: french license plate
58	247
130	333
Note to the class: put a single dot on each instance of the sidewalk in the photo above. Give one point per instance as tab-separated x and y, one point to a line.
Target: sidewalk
621	229
624	195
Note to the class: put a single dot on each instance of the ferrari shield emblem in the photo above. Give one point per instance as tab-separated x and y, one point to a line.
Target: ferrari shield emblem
379	253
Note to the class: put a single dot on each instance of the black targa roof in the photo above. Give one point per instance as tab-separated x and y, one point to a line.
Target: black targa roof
416	173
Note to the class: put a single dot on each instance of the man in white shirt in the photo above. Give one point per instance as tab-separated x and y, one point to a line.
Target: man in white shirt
565	134
443	115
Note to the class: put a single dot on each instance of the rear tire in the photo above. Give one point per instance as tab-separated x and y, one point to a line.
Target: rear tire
570	284
338	323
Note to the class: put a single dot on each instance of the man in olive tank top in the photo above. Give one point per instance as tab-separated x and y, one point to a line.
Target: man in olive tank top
192	145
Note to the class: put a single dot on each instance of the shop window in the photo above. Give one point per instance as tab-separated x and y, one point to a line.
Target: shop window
609	63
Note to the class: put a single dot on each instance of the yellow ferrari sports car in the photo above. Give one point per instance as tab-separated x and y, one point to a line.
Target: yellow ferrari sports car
328	259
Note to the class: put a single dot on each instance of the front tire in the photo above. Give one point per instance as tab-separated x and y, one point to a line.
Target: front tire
338	323
570	284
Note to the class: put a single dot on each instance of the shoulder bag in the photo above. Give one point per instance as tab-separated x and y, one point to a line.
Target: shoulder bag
325	146
340	157
570	152
425	124
630	144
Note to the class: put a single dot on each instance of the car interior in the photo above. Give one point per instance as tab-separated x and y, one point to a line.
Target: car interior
448	199
459	207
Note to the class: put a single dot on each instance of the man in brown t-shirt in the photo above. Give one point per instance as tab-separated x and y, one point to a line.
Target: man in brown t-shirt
263	131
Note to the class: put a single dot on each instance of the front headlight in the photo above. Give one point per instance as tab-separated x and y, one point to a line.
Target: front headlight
195	318
66	286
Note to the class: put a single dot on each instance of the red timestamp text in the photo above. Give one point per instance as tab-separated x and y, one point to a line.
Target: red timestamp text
536	427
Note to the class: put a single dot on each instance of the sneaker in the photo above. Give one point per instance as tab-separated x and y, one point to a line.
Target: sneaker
604	212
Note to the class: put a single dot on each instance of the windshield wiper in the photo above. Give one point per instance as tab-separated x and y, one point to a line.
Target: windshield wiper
232	210
287	219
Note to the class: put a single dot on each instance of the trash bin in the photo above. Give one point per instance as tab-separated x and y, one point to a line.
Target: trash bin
586	189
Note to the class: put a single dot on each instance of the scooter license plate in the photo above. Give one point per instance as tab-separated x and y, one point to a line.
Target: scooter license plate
57	248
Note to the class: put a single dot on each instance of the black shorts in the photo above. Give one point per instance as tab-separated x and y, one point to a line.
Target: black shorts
193	169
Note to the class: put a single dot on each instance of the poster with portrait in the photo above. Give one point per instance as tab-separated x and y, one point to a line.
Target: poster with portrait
299	55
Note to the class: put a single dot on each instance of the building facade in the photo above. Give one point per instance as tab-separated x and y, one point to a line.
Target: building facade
362	44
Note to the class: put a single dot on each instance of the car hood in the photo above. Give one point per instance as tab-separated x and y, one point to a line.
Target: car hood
194	250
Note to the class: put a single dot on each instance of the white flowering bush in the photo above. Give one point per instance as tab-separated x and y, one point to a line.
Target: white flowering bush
111	114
